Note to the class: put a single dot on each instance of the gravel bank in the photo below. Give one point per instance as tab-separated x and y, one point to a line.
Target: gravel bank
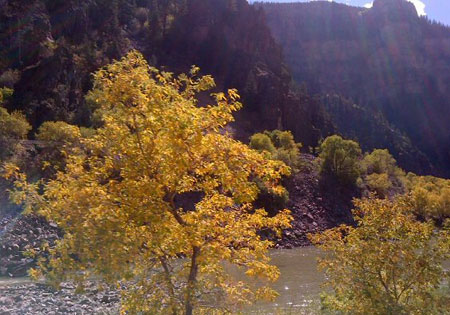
19	234
25	297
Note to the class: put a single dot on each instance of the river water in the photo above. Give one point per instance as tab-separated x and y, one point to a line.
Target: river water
299	284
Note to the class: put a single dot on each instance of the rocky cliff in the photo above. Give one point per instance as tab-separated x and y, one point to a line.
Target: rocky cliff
50	48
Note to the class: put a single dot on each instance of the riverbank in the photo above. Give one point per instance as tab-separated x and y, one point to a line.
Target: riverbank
23	297
20	234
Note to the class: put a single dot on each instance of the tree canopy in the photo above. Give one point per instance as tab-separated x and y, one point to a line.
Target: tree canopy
429	197
339	159
381	173
160	196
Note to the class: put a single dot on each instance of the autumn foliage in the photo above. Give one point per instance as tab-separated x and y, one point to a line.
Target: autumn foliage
160	197
389	264
429	197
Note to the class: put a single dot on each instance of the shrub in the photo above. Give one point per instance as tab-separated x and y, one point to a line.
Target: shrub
13	127
389	264
379	183
340	158
381	174
429	196
379	162
280	145
5	93
58	132
262	143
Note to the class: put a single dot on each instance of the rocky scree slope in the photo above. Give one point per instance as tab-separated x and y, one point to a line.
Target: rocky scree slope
315	205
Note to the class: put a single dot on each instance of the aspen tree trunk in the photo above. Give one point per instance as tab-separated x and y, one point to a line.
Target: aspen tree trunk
191	281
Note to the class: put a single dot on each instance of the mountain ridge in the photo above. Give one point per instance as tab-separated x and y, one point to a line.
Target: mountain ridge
241	47
385	59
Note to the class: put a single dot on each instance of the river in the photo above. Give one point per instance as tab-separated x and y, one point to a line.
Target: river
298	285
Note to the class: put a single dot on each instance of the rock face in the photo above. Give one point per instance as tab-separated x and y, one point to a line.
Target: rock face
385	59
60	43
394	10
373	130
231	40
52	47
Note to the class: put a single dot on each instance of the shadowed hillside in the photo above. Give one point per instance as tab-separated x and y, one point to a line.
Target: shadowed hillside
50	48
386	59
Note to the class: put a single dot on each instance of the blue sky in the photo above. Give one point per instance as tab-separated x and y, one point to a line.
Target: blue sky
438	10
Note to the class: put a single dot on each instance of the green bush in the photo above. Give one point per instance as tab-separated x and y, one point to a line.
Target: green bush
381	174
339	158
379	162
379	183
430	196
59	132
262	143
277	145
5	93
13	127
280	145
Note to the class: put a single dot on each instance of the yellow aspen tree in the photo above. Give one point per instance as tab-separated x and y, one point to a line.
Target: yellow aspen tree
159	200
